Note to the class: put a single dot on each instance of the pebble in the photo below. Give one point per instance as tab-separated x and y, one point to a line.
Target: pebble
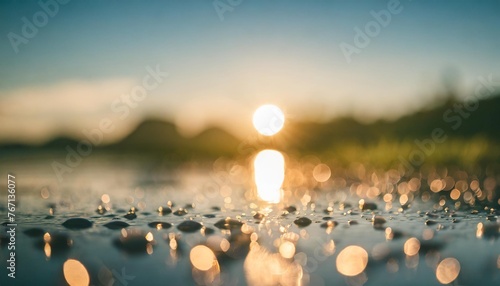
352	222
209	215
159	225
368	206
228	224
101	210
208	231
164	210
430	222
328	210
290	209
130	215
189	226
302	222
116	224
258	216
77	223
378	220
180	212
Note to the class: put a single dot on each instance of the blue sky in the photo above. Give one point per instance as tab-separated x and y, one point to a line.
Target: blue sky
220	70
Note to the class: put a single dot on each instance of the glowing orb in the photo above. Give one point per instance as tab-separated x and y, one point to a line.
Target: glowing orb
268	119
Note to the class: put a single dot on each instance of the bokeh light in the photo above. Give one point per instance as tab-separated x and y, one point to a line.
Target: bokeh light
75	273
352	260
447	270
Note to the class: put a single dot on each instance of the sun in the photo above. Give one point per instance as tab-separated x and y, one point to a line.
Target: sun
268	119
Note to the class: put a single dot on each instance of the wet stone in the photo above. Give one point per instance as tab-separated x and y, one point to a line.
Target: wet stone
475	212
116	224
302	222
164	210
49	217
101	210
378	220
189	226
258	216
328	210
290	209
327	218
77	223
491	218
180	212
368	206
159	224
228	224
430	222
34	232
208	231
209	215
352	222
216	208
130	216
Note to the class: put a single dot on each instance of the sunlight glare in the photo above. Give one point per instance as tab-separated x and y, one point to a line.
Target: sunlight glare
269	172
268	119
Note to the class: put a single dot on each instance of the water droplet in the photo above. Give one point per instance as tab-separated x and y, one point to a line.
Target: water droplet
302	222
159	224
228	224
77	223
116	224
189	226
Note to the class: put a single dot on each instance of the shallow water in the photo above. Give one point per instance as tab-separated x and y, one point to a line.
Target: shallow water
262	244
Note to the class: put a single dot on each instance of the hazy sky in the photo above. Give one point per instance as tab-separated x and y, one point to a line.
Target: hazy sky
70	72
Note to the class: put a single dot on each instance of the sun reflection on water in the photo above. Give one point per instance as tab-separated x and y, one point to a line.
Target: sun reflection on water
269	174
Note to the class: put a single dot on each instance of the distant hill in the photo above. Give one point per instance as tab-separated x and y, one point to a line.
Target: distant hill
451	117
161	138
